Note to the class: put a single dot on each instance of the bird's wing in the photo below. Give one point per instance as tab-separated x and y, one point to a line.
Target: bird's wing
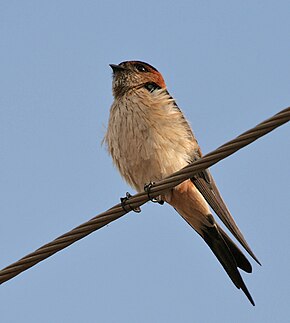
207	187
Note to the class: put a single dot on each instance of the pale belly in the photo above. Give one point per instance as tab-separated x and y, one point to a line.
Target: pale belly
145	154
138	171
148	144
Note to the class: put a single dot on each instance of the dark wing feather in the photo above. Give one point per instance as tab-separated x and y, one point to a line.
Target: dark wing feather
207	187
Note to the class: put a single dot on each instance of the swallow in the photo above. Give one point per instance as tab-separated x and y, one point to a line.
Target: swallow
149	138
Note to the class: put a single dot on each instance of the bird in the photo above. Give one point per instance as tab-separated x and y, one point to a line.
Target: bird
149	138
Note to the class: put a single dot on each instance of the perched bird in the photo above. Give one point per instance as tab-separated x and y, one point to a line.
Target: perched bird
149	138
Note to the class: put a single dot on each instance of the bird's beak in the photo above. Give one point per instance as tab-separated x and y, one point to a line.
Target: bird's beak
117	68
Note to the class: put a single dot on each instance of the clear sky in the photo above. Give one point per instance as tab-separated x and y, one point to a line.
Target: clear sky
227	63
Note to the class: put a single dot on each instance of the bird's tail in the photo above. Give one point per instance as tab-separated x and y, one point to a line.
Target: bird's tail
190	205
229	255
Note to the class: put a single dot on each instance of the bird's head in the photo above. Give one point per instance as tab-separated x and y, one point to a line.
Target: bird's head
134	75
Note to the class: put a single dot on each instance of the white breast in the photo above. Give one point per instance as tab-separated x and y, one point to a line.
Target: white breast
148	137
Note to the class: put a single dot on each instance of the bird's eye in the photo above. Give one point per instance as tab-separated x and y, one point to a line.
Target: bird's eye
141	68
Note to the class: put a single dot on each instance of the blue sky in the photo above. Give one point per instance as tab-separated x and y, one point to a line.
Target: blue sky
227	64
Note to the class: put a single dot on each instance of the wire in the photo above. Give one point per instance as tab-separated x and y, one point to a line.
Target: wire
139	199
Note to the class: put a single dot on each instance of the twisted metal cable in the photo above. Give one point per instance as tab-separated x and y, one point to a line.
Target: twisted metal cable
139	199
